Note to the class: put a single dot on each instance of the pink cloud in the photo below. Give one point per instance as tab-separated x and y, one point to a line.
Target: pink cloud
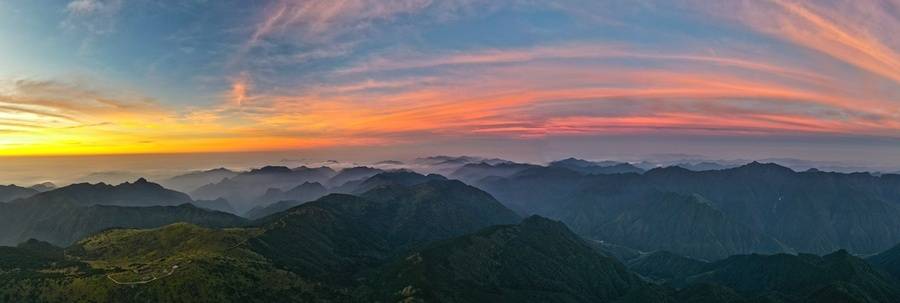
855	32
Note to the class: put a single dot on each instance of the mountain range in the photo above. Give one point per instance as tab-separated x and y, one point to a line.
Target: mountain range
191	181
752	208
138	193
13	192
661	235
590	167
251	192
437	241
710	214
537	260
243	189
67	214
331	240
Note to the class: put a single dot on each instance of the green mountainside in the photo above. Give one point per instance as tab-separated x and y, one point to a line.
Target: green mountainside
772	278
538	260
888	261
337	236
665	266
175	263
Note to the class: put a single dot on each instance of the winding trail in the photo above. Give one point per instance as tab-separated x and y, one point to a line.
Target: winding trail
169	273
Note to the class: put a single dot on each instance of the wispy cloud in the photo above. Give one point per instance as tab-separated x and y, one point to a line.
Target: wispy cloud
482	94
62	105
94	17
317	20
85	7
331	28
52	116
90	20
574	51
854	32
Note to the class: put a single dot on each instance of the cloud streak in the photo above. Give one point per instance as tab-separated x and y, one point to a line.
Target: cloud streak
486	96
96	17
322	20
853	32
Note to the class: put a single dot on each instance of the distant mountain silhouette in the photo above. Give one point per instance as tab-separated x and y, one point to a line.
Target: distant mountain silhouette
389	162
277	207
474	172
243	189
217	205
46	186
193	180
590	167
701	166
138	193
457	160
403	178
353	174
307	191
13	192
446	165
275	200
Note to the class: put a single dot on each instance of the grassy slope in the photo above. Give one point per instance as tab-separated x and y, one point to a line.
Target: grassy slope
212	266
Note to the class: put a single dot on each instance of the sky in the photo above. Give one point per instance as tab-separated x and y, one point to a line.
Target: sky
518	78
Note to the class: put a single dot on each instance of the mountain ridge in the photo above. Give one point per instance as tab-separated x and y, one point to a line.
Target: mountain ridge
814	212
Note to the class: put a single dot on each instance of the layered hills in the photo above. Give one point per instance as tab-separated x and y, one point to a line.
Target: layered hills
65	215
757	207
243	189
662	235
13	192
431	240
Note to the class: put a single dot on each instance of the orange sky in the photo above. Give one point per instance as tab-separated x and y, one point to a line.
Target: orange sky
318	74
